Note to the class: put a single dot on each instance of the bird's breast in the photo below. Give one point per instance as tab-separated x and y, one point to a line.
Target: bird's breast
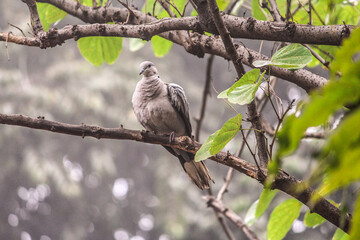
159	116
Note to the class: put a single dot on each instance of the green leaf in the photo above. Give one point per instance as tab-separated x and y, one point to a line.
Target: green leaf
282	218
355	225
340	235
334	95
341	151
136	44
160	46
89	3
344	57
243	91
312	220
344	13
344	139
265	199
203	153
258	208
256	10
49	14
149	7
248	78
244	94
323	49
225	134
193	13
223	94
345	173
222	4
293	57
250	217
100	49
180	4
261	63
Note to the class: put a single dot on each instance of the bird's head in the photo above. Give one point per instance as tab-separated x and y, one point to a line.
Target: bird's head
148	69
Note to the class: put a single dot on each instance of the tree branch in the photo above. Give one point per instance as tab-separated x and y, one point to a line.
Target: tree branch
203	43
283	181
255	120
232	216
34	15
231	51
226	38
238	27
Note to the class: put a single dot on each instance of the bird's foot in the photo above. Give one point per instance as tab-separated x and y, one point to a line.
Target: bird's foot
172	137
144	133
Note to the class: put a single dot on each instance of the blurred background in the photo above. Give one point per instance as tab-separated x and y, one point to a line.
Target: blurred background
55	186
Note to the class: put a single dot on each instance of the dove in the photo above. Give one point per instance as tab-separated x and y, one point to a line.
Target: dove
162	108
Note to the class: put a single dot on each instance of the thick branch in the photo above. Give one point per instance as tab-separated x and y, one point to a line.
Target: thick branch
283	181
203	43
238	27
226	38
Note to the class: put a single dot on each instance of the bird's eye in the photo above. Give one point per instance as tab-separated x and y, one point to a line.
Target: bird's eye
149	65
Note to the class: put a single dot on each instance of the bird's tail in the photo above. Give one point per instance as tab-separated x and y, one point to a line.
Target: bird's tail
197	171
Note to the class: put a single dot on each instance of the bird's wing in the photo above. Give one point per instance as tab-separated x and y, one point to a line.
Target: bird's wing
178	100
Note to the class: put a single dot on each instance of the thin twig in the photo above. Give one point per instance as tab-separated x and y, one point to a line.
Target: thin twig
272	104
275	11
307	10
317	56
250	150
324	52
186	4
230	172
315	11
6	45
310	15
278	126
232	216
261	45
224	100
175	7
22	32
230	6
296	10
224	188
224	225
206	92
130	12
221	220
288	10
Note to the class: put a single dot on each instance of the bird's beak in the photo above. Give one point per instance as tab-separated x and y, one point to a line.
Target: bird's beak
141	72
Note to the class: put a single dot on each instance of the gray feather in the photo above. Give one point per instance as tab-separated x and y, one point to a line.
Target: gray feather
179	102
